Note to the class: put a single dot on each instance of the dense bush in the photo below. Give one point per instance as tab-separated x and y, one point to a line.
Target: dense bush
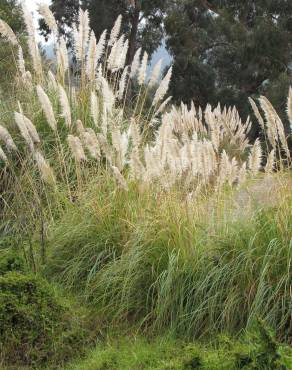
36	326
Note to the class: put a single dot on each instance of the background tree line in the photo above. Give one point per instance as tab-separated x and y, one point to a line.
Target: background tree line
222	50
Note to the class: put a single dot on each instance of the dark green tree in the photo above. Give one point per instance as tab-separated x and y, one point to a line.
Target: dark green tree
227	50
142	20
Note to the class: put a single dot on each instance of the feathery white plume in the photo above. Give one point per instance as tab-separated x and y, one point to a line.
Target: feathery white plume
115	31
66	111
135	133
91	63
49	18
136	63
7	139
44	168
81	35
32	130
162	106
122	183
115	55
142	69
122	83
270	162
242	174
255	158
52	81
19	119
47	107
120	143
32	43
3	155
94	108
90	142
123	56
101	45
257	113
76	148
106	148
79	126
108	95
162	88
7	33
21	63
155	74
272	132
62	56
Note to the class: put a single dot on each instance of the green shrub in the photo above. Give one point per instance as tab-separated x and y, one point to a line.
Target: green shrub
36	326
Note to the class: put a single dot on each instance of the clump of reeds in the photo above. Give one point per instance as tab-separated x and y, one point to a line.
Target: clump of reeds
190	147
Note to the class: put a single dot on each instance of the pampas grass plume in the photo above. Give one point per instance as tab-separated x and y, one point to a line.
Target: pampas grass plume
162	88
3	155
7	33
47	107
49	18
76	148
44	168
66	110
142	69
7	139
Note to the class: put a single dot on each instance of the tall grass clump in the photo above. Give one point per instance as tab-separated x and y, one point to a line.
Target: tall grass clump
155	214
198	268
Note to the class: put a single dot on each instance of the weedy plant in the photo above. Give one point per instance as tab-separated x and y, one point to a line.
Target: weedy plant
116	183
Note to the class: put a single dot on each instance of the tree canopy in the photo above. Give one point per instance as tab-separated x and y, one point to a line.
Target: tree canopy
227	50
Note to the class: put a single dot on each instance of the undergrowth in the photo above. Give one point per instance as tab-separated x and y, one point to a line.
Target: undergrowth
256	350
